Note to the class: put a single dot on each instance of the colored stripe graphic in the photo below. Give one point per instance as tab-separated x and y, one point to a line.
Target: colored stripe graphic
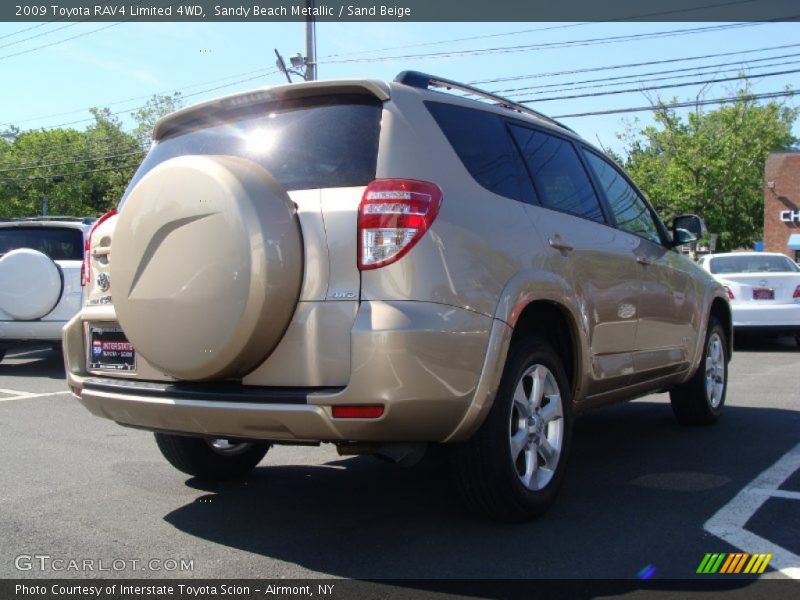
758	564
734	563
711	562
724	563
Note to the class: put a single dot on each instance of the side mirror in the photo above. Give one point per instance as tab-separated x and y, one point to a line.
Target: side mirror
687	229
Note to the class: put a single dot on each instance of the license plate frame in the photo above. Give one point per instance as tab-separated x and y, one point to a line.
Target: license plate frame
763	294
109	350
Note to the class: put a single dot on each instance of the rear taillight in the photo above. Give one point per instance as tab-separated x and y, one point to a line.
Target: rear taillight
729	292
796	294
393	215
86	267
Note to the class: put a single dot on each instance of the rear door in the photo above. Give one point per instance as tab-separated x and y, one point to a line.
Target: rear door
597	260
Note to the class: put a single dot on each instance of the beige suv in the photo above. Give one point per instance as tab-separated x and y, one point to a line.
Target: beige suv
383	266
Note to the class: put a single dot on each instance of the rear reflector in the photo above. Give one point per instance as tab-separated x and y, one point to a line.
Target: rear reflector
796	294
394	214
86	267
358	411
729	292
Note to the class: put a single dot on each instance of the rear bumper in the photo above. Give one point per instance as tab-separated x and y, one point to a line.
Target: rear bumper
422	361
775	315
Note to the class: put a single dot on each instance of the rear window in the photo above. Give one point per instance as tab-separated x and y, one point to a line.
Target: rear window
319	142
57	243
752	264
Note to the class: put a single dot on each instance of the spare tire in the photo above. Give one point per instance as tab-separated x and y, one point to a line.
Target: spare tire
206	266
30	284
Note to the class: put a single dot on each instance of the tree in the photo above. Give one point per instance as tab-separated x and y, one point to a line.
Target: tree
83	173
711	163
146	116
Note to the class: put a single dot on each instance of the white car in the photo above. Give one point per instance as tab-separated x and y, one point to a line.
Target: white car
41	266
763	289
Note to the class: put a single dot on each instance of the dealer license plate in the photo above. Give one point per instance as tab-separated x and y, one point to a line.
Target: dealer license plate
110	350
763	294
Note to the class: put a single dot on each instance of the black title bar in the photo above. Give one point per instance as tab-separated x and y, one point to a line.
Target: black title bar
400	10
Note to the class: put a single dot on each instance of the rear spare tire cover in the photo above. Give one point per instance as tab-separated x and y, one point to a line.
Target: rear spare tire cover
30	284
206	266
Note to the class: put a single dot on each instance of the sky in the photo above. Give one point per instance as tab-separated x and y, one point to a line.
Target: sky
52	73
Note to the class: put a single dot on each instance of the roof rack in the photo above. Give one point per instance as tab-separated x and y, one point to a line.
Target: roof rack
84	220
424	81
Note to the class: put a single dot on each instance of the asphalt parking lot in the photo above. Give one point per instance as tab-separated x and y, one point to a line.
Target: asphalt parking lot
641	492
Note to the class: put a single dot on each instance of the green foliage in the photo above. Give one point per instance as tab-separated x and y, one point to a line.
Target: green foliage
146	116
711	164
83	173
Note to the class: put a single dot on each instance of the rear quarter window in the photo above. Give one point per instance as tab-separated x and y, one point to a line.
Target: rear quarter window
59	243
311	143
482	142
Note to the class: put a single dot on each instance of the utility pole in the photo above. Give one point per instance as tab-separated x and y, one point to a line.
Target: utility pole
311	43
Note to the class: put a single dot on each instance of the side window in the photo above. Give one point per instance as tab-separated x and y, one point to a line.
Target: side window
561	181
629	209
484	146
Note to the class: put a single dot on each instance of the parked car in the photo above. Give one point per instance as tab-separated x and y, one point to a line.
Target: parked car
382	266
40	278
763	289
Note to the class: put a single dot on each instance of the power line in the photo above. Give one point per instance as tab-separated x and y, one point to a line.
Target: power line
30	167
61	41
38	35
568	43
539	29
687	104
263	71
645	77
630	65
135	108
23	30
39	177
660	87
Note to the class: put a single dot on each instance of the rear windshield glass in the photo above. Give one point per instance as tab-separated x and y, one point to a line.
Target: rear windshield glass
57	243
319	142
752	264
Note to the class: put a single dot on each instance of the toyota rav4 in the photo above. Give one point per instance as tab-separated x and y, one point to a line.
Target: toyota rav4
385	265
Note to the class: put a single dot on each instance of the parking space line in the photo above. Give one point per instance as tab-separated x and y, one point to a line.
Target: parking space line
14	392
27	396
778	493
729	522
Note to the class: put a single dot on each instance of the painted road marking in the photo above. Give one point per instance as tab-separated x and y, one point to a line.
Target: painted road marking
27	396
729	521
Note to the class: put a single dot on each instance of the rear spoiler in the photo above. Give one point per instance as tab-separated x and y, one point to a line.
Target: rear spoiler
179	119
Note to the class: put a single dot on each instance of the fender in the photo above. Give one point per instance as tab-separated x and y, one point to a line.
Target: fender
525	287
711	292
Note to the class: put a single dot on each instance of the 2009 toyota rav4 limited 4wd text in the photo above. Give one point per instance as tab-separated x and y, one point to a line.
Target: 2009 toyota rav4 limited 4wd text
384	266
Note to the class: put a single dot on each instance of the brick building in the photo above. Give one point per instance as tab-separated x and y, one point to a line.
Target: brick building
782	204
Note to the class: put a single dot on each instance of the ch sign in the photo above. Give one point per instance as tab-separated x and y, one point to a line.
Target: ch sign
787	216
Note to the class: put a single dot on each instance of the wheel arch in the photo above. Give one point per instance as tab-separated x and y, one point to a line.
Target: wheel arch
721	310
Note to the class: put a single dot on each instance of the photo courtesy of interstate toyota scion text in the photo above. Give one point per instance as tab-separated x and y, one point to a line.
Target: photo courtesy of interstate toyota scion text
388	266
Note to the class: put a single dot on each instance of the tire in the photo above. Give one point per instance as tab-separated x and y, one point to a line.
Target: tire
210	459
700	400
515	484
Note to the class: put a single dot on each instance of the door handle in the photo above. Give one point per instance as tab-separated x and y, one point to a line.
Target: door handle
643	260
559	244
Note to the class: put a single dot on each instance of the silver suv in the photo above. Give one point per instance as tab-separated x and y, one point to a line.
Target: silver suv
41	262
382	266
